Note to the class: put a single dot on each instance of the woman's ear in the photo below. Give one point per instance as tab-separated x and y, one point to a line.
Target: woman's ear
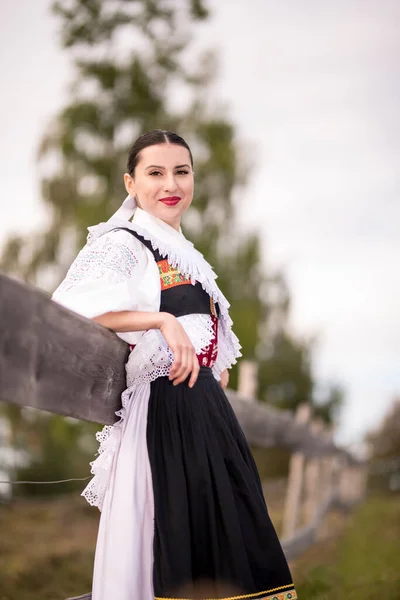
129	184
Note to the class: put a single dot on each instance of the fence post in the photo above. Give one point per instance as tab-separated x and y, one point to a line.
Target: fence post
362	481
312	479
346	485
328	469
352	484
247	379
295	480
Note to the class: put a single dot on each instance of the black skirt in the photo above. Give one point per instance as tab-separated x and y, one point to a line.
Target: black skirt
213	536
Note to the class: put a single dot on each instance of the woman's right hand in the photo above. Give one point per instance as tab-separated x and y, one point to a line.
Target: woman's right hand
185	359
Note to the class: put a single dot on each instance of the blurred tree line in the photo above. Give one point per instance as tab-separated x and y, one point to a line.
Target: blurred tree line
384	448
137	69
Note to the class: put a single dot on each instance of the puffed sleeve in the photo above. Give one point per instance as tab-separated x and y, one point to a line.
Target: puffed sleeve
108	275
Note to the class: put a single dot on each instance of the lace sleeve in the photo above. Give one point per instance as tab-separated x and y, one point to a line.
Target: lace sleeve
228	348
104	275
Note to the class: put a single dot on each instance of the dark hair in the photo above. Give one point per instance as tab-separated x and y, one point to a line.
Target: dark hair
151	138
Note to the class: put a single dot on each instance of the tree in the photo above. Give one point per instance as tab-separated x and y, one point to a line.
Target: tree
135	71
384	447
118	94
121	90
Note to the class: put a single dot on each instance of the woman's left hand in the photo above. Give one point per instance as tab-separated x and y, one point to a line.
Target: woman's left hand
224	379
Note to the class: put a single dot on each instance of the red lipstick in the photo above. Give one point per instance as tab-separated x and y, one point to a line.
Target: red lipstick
171	200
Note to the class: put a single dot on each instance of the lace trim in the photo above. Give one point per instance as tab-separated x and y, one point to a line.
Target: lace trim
109	439
228	349
192	264
150	359
199	329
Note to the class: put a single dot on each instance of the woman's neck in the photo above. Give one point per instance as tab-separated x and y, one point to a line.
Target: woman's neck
174	224
148	219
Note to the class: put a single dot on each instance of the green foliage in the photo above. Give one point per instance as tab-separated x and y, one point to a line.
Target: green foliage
328	406
363	565
113	100
385	440
57	448
384	447
285	374
135	72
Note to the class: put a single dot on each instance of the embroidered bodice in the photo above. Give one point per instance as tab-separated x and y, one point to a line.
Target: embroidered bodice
180	297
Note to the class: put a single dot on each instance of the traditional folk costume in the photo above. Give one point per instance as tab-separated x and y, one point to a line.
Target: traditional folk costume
178	488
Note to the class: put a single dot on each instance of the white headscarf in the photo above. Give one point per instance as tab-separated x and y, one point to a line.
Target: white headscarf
126	210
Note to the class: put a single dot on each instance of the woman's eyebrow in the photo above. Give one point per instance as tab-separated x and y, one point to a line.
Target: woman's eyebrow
159	167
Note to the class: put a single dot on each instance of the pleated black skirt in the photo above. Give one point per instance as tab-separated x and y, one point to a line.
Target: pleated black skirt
213	536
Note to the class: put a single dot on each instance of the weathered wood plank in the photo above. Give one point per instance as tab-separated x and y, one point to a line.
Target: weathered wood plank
55	360
267	427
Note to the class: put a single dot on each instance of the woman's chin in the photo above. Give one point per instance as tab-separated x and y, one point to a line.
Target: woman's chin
171	213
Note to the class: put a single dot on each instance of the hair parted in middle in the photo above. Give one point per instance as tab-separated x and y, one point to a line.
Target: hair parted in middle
153	138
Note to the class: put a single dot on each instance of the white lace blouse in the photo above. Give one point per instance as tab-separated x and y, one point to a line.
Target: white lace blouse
115	272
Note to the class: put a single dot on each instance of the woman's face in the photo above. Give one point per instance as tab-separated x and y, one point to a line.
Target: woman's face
163	182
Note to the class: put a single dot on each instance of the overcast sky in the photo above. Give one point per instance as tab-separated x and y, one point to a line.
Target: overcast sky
314	90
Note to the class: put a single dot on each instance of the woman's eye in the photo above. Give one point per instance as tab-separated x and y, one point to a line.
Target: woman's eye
180	172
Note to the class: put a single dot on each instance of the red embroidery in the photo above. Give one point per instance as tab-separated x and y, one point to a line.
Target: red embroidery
208	356
170	276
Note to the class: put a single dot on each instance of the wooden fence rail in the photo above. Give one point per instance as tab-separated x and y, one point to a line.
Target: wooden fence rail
54	360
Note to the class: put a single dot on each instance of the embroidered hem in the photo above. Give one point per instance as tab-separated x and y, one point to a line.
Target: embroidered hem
274	594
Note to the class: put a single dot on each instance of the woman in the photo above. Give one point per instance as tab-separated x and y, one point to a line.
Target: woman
183	513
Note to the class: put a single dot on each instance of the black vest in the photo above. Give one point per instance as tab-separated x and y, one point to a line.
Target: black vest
178	295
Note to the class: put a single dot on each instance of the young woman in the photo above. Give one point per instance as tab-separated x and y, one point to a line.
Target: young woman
183	513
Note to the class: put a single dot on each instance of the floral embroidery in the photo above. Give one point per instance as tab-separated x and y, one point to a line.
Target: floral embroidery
170	276
212	307
291	595
209	353
284	596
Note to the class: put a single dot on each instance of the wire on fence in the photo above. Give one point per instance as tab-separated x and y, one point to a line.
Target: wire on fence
47	482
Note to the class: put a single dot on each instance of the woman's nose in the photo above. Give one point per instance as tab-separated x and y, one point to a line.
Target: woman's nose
170	183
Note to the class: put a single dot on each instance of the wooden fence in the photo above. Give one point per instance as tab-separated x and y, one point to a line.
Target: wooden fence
54	360
322	476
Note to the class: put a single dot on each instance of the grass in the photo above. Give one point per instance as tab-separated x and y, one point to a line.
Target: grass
47	548
361	564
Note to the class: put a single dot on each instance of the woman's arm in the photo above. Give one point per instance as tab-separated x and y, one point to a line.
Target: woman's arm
185	359
130	320
224	379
